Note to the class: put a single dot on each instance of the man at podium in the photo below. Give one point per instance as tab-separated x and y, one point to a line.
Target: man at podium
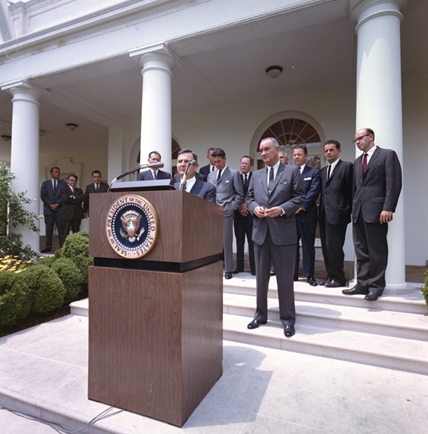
187	162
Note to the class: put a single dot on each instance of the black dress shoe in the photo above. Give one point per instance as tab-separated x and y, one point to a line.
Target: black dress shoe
296	278
312	281
323	282
357	289
253	273
228	275
372	295
334	284
255	323
289	331
236	271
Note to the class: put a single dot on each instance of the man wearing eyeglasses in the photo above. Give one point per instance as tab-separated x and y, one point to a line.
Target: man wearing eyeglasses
377	187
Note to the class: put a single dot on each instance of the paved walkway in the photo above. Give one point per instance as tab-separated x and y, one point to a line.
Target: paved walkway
43	371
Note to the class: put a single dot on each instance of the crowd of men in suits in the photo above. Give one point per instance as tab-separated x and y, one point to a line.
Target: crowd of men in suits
65	205
274	208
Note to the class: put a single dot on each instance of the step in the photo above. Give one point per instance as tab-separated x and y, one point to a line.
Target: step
411	302
368	319
384	351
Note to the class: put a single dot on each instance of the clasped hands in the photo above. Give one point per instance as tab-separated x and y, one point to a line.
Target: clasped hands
261	212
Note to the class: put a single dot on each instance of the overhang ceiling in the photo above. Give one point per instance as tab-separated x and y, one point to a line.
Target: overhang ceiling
219	70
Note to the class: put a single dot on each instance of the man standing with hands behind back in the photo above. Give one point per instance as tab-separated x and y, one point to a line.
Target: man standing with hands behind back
274	195
377	187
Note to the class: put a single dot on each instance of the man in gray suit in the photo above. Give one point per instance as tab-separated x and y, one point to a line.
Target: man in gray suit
230	194
377	187
274	195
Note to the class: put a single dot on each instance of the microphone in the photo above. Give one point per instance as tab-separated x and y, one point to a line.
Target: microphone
183	179
134	169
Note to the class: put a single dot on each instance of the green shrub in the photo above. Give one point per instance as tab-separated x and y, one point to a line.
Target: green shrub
15	299
70	276
48	261
424	289
76	248
47	290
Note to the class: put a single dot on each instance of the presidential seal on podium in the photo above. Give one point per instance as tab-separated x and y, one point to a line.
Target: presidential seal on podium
132	226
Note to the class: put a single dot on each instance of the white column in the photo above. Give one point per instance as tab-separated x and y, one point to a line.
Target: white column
379	102
25	150
157	62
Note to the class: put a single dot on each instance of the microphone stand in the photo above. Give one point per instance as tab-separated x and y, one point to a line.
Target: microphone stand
134	169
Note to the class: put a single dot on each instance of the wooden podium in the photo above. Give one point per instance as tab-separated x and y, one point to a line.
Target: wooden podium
155	323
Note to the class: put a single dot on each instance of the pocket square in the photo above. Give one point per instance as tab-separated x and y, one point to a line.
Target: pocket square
227	181
307	179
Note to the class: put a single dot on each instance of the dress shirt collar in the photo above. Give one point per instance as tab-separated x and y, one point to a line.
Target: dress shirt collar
275	171
333	165
190	183
302	168
370	153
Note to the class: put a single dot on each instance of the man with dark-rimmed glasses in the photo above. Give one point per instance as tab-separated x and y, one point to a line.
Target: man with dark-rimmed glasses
377	187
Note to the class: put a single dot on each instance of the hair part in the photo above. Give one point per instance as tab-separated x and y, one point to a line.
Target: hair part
218	152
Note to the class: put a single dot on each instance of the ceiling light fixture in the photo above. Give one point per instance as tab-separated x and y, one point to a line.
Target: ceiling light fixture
72	127
274	71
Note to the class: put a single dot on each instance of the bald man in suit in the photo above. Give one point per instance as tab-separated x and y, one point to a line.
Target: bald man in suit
377	187
274	195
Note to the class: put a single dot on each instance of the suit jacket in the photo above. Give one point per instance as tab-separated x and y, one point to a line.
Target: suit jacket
238	216
378	189
90	188
147	175
202	189
287	192
72	207
336	193
230	190
311	181
205	171
49	197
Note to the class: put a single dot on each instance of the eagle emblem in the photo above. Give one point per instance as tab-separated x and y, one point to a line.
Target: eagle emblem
130	224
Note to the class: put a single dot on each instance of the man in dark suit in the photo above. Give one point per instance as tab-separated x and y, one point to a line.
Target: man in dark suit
206	170
193	185
71	214
377	187
230	195
150	174
274	195
307	215
335	212
50	193
95	187
243	221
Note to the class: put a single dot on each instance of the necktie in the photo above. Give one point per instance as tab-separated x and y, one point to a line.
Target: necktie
156	174
246	179
212	169
54	186
329	171
185	186
270	176
72	189
364	163
97	188
219	175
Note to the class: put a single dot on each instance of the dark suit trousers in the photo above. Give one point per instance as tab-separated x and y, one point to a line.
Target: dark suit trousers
66	225
332	241
306	232
371	249
283	260
244	226
52	220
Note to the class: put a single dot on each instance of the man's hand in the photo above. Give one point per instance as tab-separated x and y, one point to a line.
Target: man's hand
298	210
54	206
385	217
243	210
276	211
259	211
